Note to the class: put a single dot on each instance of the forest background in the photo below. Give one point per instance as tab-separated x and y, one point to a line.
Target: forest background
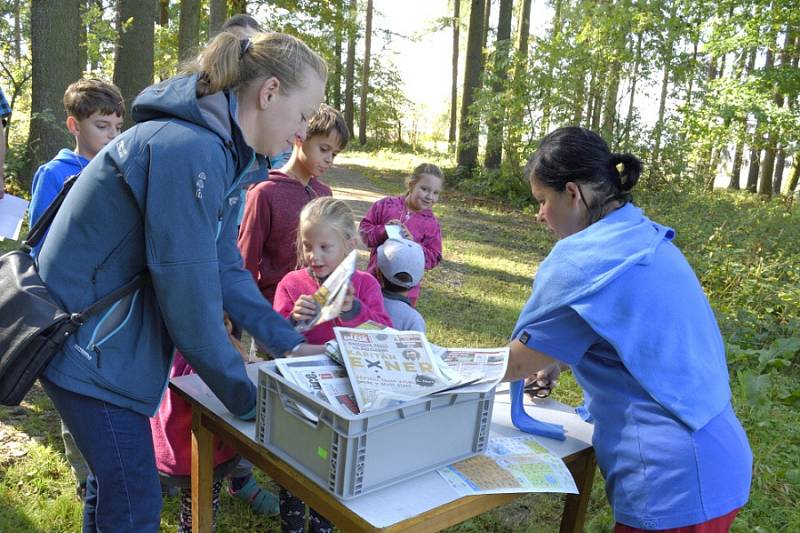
706	93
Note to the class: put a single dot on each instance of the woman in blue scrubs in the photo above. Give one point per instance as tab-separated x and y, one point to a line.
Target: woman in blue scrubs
618	302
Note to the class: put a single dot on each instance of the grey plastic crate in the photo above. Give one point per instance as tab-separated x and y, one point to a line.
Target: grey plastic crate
356	454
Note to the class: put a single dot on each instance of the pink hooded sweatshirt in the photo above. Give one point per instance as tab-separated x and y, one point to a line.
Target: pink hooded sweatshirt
423	227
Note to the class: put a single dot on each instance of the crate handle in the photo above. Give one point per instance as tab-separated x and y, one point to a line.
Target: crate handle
292	407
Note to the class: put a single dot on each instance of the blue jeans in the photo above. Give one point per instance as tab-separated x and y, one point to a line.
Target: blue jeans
122	491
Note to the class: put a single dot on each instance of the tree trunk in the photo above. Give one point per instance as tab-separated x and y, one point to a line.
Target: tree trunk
599	87
494	137
786	62
487	13
610	105
454	86
217	14
350	68
82	54
520	71
794	176
237	6
55	29
736	168
133	65
755	161
467	152
634	80
337	55
768	165
748	63
163	13
189	30
362	111
17	33
550	65
662	104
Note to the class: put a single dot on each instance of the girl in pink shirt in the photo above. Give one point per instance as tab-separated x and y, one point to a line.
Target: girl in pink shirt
327	233
413	213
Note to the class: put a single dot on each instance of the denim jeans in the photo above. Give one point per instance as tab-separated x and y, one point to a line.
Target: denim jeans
122	491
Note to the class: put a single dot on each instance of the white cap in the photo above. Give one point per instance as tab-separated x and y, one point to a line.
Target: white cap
402	262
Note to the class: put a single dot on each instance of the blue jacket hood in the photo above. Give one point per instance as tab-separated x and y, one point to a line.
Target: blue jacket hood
635	289
162	197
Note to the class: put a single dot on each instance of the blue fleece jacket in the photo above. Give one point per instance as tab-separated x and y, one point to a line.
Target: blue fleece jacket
163	197
49	179
656	316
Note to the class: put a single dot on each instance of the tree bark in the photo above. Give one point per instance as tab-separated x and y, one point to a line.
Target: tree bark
520	71
634	80
487	13
189	29
467	152
17	33
163	13
362	111
494	137
133	64
749	60
350	68
217	14
451	138
337	54
768	164
550	64
55	29
780	101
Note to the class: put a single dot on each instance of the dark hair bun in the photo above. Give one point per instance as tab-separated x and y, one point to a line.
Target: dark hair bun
628	168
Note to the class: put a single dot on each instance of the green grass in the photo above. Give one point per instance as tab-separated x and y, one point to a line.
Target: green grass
745	253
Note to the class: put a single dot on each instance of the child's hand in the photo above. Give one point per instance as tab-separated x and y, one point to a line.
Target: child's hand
406	233
305	308
394	222
347	304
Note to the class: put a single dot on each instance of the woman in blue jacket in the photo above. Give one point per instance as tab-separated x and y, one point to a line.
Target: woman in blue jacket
617	301
162	198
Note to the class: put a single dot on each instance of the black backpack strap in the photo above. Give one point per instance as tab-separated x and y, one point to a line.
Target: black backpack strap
106	301
40	228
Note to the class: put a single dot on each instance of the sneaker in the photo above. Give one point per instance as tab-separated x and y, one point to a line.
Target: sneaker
260	499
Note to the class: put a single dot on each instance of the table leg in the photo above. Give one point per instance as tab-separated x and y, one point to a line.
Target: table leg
202	474
576	504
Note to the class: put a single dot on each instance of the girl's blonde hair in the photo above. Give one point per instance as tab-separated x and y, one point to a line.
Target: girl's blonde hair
425	168
330	212
229	62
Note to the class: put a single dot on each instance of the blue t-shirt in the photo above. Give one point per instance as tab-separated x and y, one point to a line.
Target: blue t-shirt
659	473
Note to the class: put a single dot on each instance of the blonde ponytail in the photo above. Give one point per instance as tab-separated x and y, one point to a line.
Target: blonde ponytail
230	63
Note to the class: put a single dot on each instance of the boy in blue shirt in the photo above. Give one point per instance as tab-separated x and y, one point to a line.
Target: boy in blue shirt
95	110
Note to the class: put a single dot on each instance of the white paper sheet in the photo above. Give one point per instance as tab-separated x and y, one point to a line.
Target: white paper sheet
12	212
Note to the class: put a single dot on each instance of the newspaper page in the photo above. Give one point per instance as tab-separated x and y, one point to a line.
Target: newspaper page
330	296
386	367
307	372
483	367
510	464
332	347
339	392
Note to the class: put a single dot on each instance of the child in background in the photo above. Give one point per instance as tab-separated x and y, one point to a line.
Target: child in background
95	110
401	265
413	213
327	233
172	440
268	234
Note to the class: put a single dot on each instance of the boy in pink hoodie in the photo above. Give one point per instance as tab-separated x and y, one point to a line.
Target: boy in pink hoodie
268	231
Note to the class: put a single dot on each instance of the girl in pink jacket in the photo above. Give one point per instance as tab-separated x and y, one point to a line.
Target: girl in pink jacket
327	233
413	213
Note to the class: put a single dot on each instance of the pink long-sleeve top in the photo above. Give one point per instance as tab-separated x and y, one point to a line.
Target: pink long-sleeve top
422	225
300	282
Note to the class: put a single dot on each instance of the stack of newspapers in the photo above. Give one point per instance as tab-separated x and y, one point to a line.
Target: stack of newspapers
369	368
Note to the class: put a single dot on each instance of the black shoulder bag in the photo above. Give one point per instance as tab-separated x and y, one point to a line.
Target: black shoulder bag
33	327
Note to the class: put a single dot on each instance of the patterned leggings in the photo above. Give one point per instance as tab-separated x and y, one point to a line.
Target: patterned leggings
293	516
185	516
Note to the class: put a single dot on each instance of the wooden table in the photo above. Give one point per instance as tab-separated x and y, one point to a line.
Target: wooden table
429	502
